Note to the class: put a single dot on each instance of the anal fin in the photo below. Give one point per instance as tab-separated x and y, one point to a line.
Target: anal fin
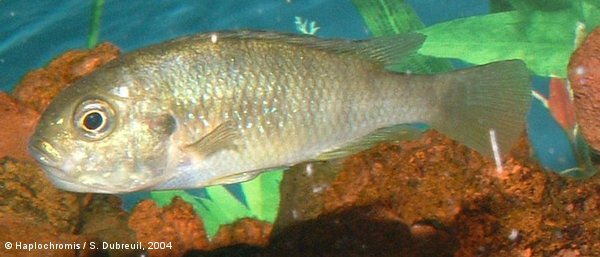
393	133
235	178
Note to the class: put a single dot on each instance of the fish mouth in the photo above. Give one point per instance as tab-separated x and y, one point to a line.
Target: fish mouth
58	177
44	152
50	160
60	180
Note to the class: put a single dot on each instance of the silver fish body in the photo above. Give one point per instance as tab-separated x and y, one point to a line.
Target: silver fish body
221	107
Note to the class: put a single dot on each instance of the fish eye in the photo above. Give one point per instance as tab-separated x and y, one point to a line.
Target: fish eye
94	119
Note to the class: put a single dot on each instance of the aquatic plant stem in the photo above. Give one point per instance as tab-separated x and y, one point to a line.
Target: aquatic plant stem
95	23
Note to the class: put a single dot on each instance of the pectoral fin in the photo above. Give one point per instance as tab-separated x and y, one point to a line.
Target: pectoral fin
221	137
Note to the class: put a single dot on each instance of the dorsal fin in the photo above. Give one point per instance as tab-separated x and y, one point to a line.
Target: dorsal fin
387	50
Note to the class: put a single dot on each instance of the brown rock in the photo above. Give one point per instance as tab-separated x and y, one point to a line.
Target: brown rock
18	124
18	117
31	208
246	231
442	190
31	237
360	231
103	220
423	173
584	75
176	224
425	197
33	211
25	190
39	87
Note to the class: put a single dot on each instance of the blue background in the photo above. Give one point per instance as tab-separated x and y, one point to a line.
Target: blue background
34	32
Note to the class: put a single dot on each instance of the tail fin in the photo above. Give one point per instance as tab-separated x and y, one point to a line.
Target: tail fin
493	96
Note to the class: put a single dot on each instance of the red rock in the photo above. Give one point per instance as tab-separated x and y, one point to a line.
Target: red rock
246	231
25	191
430	194
18	124
35	233
18	117
39	87
584	75
177	224
31	208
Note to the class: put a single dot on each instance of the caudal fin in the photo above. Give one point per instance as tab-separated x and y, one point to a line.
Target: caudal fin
493	96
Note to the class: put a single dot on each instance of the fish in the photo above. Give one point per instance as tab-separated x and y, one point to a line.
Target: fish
222	107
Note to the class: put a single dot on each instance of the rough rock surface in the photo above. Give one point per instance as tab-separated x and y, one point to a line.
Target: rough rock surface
18	123
38	87
584	75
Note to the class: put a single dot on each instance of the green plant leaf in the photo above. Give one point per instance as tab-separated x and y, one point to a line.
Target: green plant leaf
94	34
385	17
262	195
389	17
221	207
544	40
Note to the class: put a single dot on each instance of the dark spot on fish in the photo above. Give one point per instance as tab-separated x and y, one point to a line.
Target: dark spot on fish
163	124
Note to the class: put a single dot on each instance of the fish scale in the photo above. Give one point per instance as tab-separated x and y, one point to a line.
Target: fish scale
221	107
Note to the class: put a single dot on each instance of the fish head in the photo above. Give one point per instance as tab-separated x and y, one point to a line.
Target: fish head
96	136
